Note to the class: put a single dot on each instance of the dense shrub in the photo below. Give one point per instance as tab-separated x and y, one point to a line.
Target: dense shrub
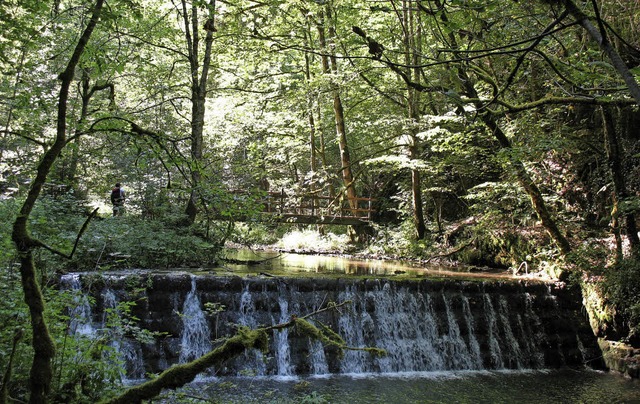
131	242
621	286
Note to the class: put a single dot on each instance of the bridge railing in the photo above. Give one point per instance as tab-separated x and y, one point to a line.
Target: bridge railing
311	205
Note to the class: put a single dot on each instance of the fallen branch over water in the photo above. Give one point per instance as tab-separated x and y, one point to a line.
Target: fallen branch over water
245	338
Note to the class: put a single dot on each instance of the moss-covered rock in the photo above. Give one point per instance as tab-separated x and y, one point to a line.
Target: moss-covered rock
621	358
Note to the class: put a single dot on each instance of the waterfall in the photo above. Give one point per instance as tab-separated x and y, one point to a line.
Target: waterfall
281	337
253	359
195	329
415	336
512	348
424	326
351	326
128	351
559	341
319	364
529	324
457	351
475	357
404	325
80	318
495	351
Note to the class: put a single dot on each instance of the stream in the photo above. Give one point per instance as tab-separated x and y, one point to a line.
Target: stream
451	335
524	386
476	386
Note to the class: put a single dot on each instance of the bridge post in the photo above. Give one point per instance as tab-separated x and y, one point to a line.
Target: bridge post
313	205
282	194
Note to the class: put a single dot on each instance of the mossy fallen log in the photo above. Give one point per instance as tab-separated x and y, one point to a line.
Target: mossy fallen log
179	375
245	338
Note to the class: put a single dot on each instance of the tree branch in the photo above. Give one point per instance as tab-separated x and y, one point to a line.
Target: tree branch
43	346
606	47
526	51
511	108
26	137
38	243
145	133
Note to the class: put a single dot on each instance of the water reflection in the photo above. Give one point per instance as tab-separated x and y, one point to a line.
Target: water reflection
292	263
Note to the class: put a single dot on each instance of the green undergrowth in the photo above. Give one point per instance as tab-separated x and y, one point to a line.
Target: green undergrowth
610	289
612	297
622	287
108	243
131	242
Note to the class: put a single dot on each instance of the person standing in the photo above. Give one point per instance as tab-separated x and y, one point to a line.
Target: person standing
117	199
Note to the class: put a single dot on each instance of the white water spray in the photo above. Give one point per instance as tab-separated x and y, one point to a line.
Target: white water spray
196	336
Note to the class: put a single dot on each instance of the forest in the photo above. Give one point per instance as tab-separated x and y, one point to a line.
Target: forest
494	134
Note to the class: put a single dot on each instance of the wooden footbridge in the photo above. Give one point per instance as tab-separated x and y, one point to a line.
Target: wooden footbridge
315	209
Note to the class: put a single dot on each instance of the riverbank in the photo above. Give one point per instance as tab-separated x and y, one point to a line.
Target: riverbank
621	358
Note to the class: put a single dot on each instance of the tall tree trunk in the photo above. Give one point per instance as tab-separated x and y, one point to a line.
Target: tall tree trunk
74	161
199	77
313	159
43	346
411	39
330	66
416	192
615	155
69	170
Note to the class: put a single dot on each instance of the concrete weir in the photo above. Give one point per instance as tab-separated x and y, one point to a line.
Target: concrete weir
423	325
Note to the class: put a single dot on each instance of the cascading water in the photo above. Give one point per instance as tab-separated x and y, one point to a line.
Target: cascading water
352	327
495	350
80	315
534	329
511	343
82	323
281	339
253	361
128	350
475	357
319	364
196	336
459	354
423	325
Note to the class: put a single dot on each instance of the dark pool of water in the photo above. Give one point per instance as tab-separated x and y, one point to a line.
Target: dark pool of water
557	386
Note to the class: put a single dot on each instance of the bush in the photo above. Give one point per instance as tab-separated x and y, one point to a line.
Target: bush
621	286
131	242
313	241
255	233
108	243
85	368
